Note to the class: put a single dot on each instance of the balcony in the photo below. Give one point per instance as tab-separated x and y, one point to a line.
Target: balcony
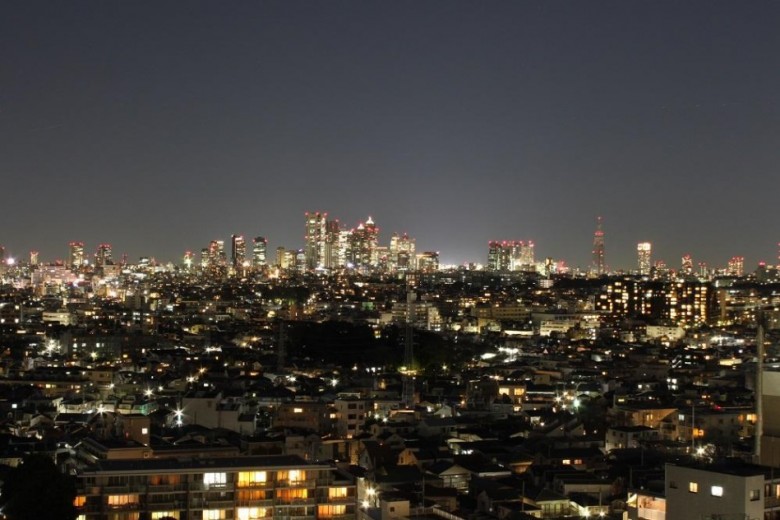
262	502
218	504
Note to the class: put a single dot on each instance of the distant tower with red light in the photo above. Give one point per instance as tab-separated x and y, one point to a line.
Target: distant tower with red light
599	262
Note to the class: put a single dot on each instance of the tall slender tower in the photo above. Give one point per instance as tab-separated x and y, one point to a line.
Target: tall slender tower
599	266
315	239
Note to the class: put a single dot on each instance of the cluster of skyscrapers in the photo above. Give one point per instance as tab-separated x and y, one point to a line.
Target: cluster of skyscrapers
328	246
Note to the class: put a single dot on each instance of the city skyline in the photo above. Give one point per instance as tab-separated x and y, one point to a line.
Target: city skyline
642	262
157	129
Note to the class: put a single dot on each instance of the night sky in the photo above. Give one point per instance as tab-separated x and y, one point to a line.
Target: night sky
158	126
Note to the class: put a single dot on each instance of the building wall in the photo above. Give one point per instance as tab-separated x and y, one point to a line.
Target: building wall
691	493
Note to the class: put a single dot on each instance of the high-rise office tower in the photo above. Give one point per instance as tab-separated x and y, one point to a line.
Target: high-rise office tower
189	259
686	265
362	249
402	254
33	258
314	251
737	266
527	255
644	254
76	254
216	254
259	252
237	251
204	257
334	254
103	255
599	263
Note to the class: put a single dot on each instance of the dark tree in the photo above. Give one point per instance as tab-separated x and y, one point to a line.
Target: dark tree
37	490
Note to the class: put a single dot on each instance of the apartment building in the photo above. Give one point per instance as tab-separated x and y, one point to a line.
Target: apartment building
240	488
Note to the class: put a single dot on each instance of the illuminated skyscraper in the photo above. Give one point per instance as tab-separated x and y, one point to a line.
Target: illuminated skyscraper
103	255
335	250
686	265
259	252
216	254
428	261
599	263
33	258
76	255
314	251
189	259
644	254
737	266
402	255
362	249
237	251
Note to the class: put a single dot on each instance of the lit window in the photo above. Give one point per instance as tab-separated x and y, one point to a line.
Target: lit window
693	487
157	515
122	500
215	479
250	513
755	494
144	431
297	410
717	491
79	501
214	514
329	511
251	478
337	492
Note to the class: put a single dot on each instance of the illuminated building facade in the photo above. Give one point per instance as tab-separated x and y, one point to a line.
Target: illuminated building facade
686	265
237	251
259	252
644	256
428	261
316	225
736	266
362	247
103	255
512	255
76	255
401	253
243	488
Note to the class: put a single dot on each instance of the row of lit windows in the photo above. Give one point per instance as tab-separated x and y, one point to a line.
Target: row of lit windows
716	491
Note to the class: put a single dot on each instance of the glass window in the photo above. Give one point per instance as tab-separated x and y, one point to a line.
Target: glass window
755	494
215	479
329	511
251	478
693	487
717	491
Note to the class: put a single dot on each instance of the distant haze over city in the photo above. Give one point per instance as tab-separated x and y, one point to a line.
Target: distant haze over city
158	128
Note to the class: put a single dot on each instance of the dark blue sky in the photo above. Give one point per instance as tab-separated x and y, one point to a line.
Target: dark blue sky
160	125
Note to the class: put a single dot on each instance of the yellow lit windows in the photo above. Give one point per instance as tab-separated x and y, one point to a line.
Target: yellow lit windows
214	514
79	501
693	487
252	478
251	513
330	511
157	515
337	492
289	495
122	501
